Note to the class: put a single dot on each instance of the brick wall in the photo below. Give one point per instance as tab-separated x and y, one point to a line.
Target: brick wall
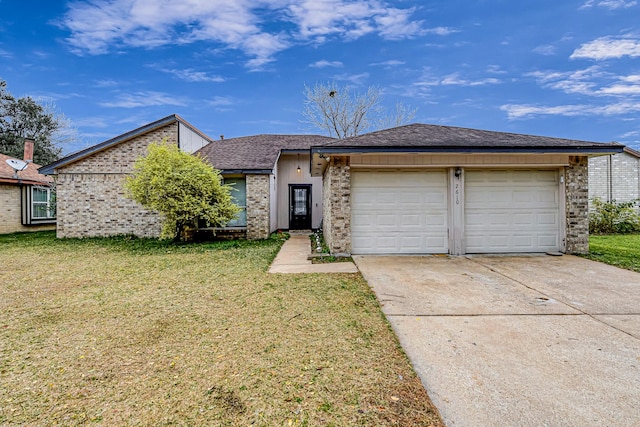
10	212
577	208
258	207
91	197
614	177
336	205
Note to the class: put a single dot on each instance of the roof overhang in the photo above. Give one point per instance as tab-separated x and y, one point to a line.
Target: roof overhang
246	171
321	155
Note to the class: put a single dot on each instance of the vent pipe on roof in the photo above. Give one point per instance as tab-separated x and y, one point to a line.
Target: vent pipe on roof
221	137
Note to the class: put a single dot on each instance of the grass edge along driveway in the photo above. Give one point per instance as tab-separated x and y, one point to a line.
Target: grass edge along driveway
621	250
124	331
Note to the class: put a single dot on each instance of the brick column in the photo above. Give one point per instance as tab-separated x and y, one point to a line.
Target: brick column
336	206
258	207
577	209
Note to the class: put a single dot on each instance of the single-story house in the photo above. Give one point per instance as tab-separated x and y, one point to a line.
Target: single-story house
25	195
411	189
615	176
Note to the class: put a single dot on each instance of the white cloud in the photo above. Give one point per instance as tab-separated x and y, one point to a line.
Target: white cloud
324	63
192	76
356	79
5	54
546	50
524	111
455	80
102	26
609	47
144	99
221	101
609	4
441	31
389	63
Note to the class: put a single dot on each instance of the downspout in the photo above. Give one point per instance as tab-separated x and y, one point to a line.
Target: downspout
610	178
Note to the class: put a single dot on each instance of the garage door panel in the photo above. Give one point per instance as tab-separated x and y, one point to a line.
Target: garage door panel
511	211
399	212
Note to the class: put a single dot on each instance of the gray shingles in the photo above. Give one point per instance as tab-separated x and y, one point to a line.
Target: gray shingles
455	138
258	152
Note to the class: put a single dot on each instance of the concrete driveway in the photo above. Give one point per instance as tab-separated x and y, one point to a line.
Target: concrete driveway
517	340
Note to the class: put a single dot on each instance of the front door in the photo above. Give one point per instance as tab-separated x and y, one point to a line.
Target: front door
299	207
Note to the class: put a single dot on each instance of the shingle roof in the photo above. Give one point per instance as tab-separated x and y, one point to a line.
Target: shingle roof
256	153
30	175
435	138
50	168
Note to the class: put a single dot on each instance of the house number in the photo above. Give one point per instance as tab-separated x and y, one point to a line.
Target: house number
457	193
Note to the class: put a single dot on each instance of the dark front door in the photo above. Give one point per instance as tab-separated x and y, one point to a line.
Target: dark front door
299	207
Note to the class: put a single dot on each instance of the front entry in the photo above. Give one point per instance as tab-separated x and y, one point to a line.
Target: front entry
299	207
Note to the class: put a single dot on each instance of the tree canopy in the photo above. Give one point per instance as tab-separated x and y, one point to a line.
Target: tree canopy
342	112
182	187
24	117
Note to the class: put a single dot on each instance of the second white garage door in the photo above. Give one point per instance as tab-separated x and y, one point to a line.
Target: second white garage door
511	211
399	212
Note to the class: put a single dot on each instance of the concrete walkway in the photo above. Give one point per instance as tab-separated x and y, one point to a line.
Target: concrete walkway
293	255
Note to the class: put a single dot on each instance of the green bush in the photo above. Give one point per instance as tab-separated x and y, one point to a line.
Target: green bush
614	217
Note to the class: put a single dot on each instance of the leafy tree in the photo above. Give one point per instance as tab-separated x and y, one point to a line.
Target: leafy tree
343	113
182	187
26	118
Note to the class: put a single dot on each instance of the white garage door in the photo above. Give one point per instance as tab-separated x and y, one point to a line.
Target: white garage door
399	212
511	211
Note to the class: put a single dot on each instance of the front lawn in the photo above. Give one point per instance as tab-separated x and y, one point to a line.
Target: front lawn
140	332
621	250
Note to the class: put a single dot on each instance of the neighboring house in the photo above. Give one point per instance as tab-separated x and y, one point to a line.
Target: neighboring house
439	189
25	196
415	189
615	176
269	173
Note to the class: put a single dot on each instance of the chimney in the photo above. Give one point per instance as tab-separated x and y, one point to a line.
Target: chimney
28	150
221	137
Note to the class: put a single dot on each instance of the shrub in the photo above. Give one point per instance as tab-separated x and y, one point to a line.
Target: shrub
614	217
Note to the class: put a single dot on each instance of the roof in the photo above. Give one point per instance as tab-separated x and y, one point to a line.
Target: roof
436	138
258	153
633	152
28	176
423	138
78	155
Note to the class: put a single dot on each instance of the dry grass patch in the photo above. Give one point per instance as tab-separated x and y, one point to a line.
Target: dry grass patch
135	332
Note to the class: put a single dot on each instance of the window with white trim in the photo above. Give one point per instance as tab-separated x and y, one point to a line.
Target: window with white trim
41	206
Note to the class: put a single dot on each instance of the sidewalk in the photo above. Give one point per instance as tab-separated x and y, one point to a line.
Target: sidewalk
292	258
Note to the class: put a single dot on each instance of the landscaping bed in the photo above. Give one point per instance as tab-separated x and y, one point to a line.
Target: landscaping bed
129	331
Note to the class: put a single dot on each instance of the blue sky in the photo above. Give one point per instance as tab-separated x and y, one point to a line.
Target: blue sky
566	68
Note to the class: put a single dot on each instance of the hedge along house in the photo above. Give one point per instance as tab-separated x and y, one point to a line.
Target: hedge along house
422	189
25	195
269	173
90	183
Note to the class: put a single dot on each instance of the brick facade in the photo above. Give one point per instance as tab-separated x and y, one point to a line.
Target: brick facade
614	177
258	207
336	205
577	205
91	196
10	212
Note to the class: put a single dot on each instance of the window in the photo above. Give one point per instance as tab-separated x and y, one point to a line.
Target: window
41	203
239	196
38	205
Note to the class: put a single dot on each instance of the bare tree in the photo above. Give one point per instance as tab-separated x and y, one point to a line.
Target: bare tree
342	112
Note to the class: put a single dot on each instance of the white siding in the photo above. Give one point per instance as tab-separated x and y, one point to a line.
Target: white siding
190	141
287	174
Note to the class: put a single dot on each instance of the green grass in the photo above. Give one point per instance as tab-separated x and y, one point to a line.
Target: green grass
621	250
126	331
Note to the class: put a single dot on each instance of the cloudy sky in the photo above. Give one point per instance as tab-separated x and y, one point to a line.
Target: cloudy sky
557	68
